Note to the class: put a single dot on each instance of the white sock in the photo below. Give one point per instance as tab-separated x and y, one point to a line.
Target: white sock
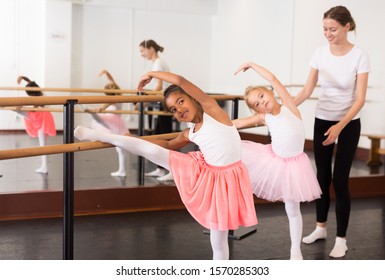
339	249
220	244
295	224
318	233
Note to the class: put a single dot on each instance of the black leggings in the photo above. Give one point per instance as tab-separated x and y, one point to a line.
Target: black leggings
346	148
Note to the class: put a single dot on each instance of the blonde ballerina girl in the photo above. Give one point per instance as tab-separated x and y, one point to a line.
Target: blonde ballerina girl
280	171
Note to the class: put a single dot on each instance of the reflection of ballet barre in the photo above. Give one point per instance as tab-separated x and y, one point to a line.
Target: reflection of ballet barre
69	148
94	90
91	90
59	110
61	100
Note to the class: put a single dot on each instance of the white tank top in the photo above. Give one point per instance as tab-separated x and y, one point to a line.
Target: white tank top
287	133
220	144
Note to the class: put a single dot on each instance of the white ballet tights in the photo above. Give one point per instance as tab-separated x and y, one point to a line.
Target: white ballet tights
220	244
122	163
134	145
44	158
293	212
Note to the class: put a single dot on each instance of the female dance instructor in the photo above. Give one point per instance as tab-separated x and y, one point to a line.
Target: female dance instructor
342	69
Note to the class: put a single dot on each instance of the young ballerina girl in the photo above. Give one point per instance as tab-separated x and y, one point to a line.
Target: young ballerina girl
280	171
38	124
213	183
110	122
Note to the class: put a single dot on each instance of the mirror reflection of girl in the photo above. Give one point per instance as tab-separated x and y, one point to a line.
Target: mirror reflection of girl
280	171
213	183
110	122
37	124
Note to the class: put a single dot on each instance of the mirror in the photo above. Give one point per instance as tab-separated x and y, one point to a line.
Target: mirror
65	44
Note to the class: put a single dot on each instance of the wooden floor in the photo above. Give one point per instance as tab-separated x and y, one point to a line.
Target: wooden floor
174	235
167	234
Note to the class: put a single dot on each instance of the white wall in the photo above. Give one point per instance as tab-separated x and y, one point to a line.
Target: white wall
22	24
58	38
101	40
38	46
249	30
57	51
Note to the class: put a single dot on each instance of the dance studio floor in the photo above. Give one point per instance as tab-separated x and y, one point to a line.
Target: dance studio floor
174	235
162	235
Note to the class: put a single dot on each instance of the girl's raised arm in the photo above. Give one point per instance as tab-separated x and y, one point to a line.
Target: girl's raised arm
209	104
108	75
284	95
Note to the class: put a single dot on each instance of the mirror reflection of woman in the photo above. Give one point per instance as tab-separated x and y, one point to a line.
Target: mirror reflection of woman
150	50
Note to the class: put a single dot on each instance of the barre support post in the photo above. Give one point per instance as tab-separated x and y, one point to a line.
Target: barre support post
68	181
141	133
235	108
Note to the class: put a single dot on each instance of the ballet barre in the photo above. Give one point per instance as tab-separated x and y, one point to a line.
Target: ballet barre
61	100
72	147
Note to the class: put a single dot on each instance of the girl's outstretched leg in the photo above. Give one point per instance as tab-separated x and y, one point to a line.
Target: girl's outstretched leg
44	158
293	212
220	244
134	145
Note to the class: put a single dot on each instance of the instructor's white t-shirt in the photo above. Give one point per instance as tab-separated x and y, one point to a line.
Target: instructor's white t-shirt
337	76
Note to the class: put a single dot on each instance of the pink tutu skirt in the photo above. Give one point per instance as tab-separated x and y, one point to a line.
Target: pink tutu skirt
218	197
40	120
274	178
109	122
